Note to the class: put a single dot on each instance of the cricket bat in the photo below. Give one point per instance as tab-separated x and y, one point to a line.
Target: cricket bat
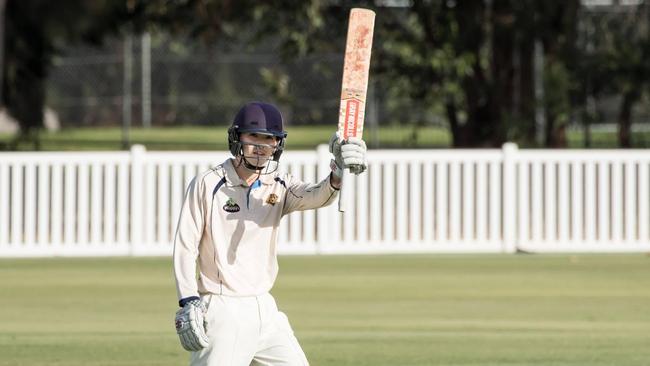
356	67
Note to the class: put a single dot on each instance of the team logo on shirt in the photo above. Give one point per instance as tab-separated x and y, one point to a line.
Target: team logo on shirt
231	206
273	199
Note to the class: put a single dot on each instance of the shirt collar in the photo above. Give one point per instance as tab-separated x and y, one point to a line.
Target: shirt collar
233	178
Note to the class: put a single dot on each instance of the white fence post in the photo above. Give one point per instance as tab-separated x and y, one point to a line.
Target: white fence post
4	203
509	197
137	196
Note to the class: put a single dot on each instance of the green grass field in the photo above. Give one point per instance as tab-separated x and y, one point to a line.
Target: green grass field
511	310
215	138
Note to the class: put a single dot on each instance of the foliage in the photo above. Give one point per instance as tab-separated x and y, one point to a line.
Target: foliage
469	63
35	30
472	62
616	47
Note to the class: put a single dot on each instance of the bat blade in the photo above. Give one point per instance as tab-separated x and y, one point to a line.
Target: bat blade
354	86
356	67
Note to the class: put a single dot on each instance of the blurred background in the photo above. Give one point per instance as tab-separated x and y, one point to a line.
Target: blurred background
446	216
444	73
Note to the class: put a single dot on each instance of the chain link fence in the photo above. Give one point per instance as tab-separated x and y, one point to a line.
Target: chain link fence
173	82
186	83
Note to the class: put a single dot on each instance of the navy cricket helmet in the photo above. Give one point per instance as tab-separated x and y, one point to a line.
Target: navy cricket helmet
257	117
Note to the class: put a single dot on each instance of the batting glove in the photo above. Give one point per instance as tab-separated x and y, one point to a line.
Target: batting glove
350	153
191	325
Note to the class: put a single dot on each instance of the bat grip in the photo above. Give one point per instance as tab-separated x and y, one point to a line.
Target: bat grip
344	194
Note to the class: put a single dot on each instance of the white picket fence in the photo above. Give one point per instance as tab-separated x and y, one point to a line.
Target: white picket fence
499	200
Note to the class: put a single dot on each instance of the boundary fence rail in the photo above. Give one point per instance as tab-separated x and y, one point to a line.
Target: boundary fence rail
497	200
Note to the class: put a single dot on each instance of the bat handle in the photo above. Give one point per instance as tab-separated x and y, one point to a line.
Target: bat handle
344	194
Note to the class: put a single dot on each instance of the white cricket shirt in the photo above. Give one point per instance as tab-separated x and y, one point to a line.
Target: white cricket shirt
232	229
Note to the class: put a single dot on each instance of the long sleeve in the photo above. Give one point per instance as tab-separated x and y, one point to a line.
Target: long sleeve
306	196
187	239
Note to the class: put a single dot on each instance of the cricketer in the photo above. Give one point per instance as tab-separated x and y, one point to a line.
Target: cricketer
228	231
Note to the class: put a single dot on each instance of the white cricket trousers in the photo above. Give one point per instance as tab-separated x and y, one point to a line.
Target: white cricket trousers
247	331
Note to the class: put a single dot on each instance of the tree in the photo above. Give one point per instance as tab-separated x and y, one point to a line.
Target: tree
470	62
614	46
628	52
35	30
476	58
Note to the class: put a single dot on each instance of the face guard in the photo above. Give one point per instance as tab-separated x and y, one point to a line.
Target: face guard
260	157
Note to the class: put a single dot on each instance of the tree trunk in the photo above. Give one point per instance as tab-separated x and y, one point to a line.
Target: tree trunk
556	135
501	91
2	47
26	52
452	117
470	16
526	107
556	101
559	54
625	118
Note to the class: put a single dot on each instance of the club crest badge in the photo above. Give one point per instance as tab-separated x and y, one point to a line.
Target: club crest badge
273	199
231	206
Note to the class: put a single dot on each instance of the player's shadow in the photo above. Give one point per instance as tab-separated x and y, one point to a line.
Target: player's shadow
235	239
252	215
